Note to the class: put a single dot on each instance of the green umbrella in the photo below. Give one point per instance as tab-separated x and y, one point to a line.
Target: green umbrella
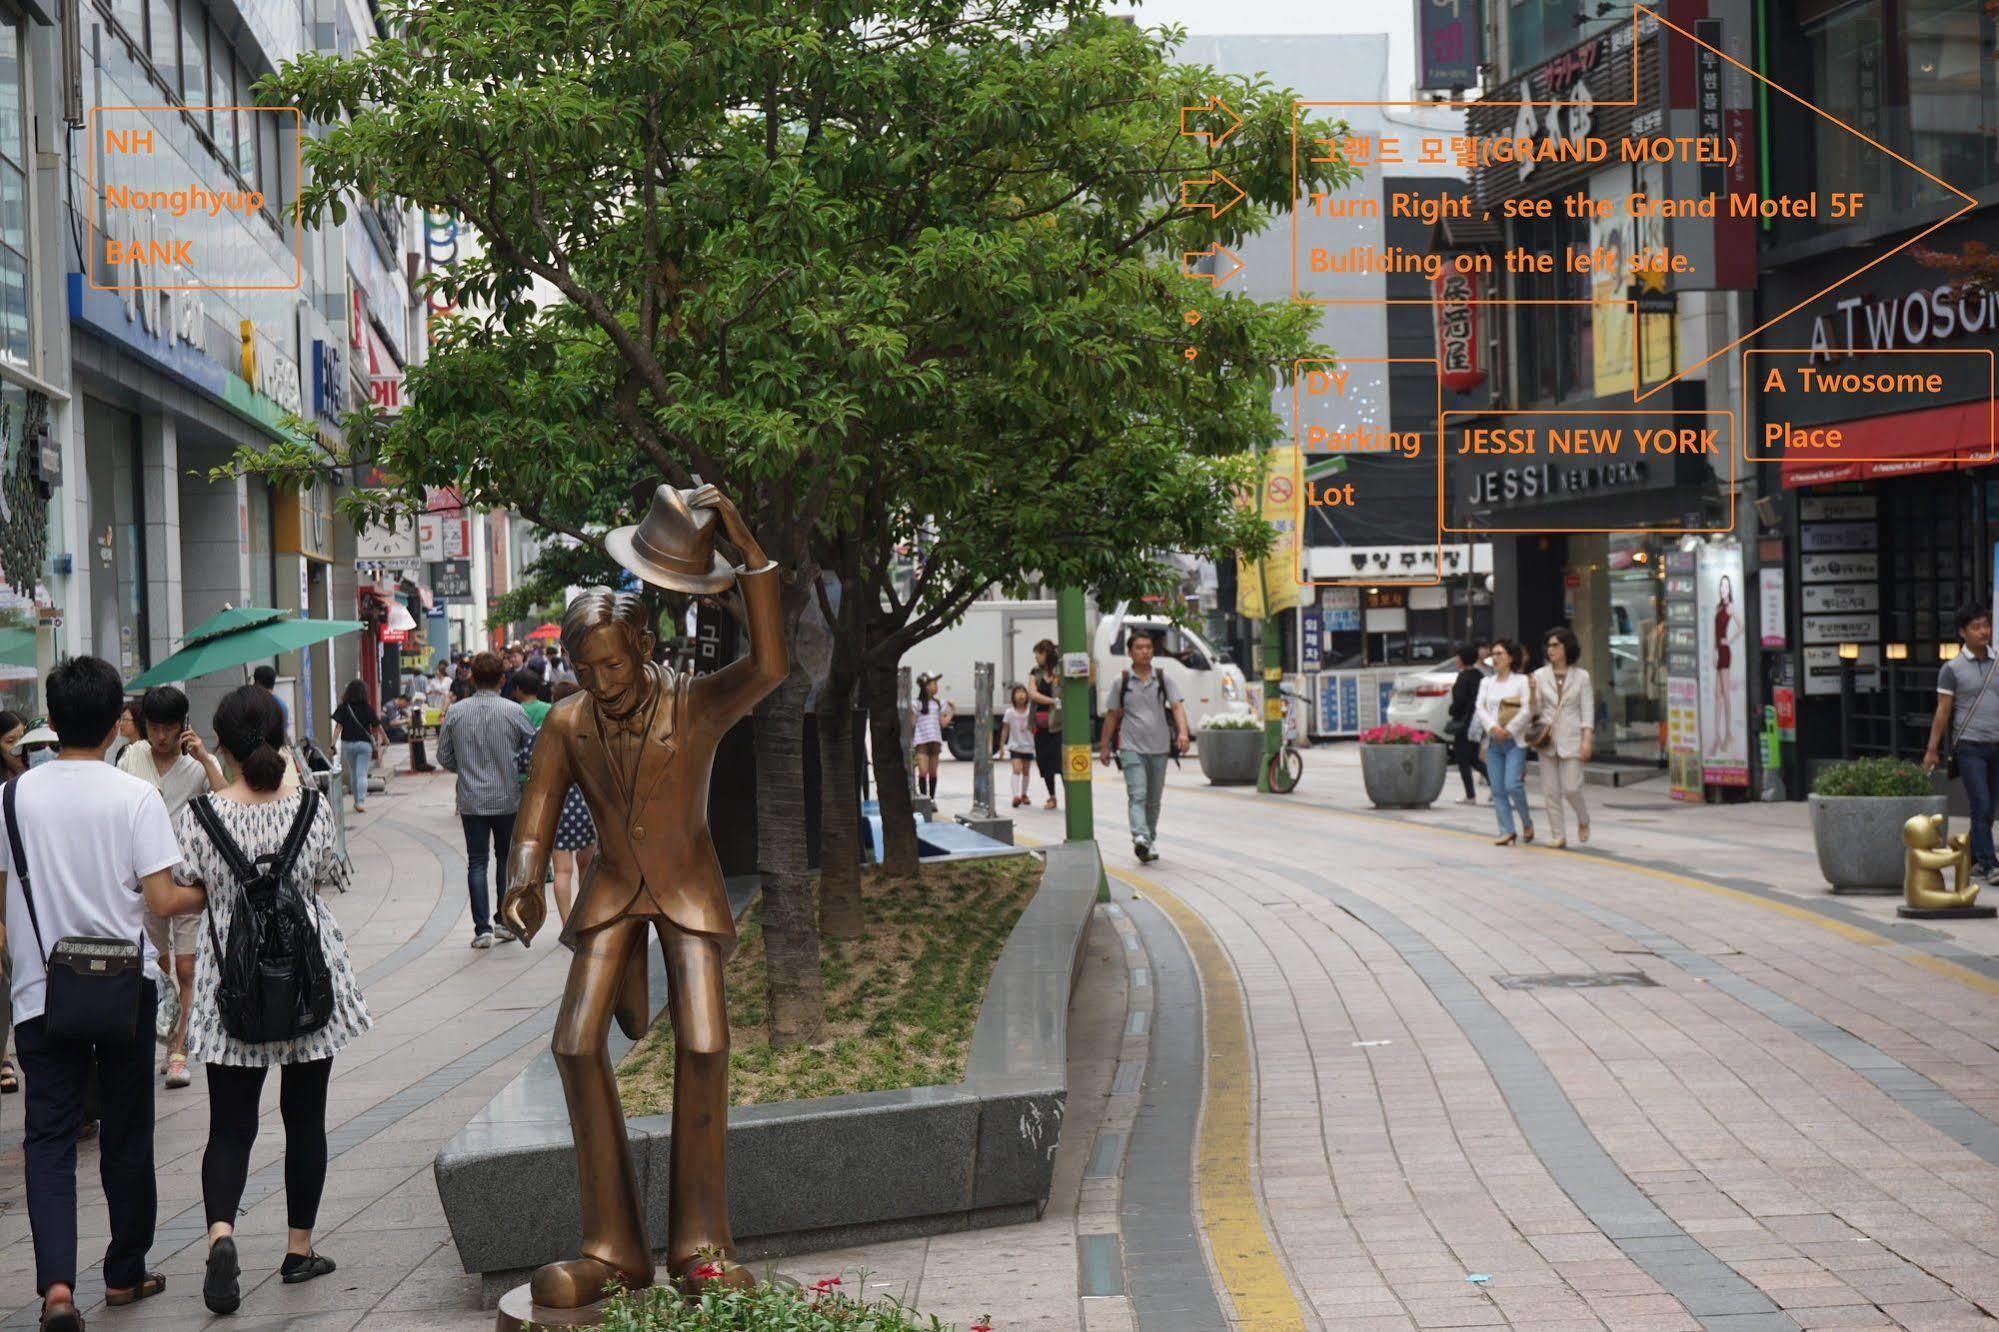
237	647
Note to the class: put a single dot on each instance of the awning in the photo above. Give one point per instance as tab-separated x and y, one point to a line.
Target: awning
1935	439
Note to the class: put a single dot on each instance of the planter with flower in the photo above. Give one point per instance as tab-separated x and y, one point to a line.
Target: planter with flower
1858	809
1403	767
1231	747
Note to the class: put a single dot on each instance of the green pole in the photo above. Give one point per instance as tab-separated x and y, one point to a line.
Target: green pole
1073	629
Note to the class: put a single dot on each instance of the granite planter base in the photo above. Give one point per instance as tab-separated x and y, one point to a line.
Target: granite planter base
1859	838
810	1175
1404	776
1230	757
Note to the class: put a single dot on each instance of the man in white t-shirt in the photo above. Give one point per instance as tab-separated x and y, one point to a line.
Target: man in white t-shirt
99	852
174	762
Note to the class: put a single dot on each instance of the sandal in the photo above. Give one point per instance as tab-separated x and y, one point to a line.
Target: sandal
1050	804
10	1081
61	1316
149	1285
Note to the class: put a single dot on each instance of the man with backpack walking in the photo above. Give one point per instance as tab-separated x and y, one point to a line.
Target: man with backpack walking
85	852
1145	723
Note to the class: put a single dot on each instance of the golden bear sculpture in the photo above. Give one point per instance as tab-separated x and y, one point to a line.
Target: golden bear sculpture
1929	854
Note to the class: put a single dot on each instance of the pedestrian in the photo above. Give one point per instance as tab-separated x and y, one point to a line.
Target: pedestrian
558	669
1044	688
932	716
174	762
12	727
266	679
524	687
1145	723
479	740
1973	723
1017	739
437	690
575	831
1564	732
249	823
131	730
395	719
38	746
1463	726
462	686
361	739
1505	708
85	852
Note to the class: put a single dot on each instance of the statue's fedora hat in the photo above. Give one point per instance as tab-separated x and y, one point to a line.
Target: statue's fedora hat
673	546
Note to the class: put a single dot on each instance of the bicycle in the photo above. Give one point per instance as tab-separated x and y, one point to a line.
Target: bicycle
1286	766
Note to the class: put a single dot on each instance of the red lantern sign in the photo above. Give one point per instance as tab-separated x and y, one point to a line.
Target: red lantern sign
1455	301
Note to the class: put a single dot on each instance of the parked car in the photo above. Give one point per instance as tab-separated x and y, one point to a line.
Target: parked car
1423	699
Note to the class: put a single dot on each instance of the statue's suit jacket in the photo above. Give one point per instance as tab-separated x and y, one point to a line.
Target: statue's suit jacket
658	844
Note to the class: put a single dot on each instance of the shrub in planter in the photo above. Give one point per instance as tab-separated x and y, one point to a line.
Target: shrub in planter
1402	767
1231	748
1858	809
823	1306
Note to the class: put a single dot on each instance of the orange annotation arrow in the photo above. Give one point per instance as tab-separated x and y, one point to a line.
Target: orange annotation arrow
1200	183
1214	104
1191	257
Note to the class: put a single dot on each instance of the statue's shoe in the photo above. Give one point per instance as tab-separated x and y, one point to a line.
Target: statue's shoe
576	1283
697	1274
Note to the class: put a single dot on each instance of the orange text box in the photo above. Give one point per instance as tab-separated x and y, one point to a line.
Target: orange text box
169	209
1535	456
1332	402
1867	383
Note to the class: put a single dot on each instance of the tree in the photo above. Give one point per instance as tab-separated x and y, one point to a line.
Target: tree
782	234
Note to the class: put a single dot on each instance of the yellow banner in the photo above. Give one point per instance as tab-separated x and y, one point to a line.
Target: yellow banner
1269	585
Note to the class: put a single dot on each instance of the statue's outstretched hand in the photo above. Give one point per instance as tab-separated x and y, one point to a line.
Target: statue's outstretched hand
523	909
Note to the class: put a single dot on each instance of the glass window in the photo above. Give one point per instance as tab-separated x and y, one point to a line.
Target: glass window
194	61
246	134
163	41
220	63
16	342
131	16
271	141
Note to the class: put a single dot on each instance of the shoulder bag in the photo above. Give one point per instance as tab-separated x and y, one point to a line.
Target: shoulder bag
96	987
1541	734
1957	733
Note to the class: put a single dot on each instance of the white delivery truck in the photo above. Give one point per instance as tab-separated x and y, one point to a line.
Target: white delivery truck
1005	632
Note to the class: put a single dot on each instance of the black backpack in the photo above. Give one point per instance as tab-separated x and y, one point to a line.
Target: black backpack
275	984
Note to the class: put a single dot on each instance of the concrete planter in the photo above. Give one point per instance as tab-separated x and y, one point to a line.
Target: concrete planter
1859	838
821	1174
1228	756
1404	776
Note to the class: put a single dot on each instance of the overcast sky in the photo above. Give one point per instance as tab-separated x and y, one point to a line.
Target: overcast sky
1224	18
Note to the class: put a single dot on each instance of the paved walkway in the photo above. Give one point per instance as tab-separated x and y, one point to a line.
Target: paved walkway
1332	1068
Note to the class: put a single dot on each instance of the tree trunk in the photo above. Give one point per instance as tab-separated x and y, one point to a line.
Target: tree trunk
840	915
796	993
899	852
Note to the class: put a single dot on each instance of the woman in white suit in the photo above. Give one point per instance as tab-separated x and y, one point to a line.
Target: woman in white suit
1565	724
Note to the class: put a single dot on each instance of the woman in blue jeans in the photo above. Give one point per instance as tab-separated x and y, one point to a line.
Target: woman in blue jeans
1506	707
360	735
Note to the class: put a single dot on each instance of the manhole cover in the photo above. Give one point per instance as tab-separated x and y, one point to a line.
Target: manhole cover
1575	980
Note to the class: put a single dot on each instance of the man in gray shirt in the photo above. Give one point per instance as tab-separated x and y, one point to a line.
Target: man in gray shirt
478	740
1972	720
1145	723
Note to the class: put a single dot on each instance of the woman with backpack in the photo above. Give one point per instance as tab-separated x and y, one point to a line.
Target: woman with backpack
272	983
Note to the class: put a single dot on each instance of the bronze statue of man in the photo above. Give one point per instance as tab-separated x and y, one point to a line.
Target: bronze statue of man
640	740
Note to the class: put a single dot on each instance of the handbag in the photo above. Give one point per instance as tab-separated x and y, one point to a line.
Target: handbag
1950	762
96	986
1542	735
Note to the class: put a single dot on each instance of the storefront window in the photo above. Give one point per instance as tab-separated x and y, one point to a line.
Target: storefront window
1553	341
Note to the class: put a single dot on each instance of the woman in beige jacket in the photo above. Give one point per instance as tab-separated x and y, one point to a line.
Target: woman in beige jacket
1565	711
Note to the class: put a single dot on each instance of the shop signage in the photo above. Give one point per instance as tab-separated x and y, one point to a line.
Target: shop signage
1453	299
444	536
107	314
1449	44
1310	640
1823	669
1839	598
1541	483
1835	508
1592	82
1683	693
1838	568
1838	629
268	370
451	578
1837	536
1397	562
1770	605
329	381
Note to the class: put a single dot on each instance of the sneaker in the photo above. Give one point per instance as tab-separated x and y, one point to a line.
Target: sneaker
483	939
1146	853
501	934
177	1074
1990	876
1140	850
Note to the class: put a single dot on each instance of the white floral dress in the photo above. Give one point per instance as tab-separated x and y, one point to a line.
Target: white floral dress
258	830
